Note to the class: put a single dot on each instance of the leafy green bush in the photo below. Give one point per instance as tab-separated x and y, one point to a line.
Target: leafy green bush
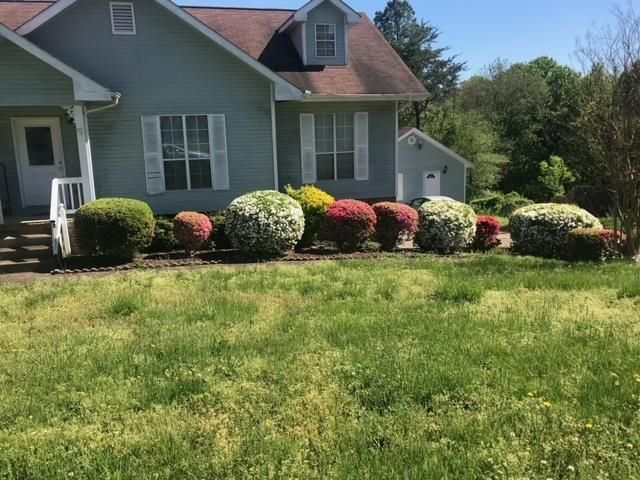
543	229
265	223
219	237
163	238
499	204
445	226
118	227
314	203
593	245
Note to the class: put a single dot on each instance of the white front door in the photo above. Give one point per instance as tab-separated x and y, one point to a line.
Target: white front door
431	184
38	144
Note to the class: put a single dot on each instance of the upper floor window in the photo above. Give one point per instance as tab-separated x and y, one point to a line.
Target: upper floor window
186	152
335	152
325	40
123	18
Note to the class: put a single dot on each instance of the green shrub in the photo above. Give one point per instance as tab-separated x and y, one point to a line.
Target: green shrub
543	229
163	238
265	223
118	227
499	204
314	203
219	237
445	226
593	245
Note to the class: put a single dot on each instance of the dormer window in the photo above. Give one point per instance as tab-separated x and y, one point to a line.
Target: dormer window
123	18
325	40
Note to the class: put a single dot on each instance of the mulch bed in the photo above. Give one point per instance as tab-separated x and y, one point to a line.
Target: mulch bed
218	257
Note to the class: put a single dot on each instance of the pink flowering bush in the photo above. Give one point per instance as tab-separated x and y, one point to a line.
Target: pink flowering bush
349	223
486	238
192	230
395	222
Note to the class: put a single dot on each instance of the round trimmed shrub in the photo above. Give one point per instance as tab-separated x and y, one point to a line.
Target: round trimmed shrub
265	223
445	226
542	229
219	237
117	227
192	230
314	203
163	238
350	224
594	245
395	223
486	237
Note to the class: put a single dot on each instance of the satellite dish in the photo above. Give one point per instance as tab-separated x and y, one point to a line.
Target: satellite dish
412	140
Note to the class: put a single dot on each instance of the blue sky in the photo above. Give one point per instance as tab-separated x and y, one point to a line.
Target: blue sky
482	30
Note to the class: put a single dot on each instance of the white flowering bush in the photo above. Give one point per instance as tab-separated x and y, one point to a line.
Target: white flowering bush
543	229
264	223
445	226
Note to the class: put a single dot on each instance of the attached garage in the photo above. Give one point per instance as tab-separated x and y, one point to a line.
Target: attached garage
428	168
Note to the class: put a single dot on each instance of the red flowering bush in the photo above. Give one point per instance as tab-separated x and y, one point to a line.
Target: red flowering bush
486	238
350	224
395	221
594	245
192	230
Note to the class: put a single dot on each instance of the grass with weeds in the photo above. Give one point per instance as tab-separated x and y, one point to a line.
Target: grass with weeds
475	367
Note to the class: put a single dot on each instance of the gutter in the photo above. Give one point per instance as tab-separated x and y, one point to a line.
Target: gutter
404	97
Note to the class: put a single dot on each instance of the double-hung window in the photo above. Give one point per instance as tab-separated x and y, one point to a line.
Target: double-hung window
325	40
335	152
186	153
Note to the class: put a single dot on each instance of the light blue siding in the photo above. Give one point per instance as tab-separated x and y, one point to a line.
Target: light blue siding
413	162
27	81
326	13
382	140
166	68
8	157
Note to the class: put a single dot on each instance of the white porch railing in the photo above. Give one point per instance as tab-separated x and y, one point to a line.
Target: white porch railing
67	196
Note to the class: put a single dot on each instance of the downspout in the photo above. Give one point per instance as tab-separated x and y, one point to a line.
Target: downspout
115	99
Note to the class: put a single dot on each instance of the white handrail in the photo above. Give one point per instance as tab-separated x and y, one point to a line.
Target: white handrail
67	195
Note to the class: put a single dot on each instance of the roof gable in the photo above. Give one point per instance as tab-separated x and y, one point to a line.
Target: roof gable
284	89
375	71
84	88
302	14
405	133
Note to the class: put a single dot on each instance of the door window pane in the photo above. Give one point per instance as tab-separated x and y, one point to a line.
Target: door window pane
39	146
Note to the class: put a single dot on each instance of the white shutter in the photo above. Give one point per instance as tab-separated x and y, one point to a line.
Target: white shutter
308	147
361	134
152	144
219	154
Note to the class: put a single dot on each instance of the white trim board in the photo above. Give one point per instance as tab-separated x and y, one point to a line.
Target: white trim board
373	97
431	141
84	89
284	89
301	14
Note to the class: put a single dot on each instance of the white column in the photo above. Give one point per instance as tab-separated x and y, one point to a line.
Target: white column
84	151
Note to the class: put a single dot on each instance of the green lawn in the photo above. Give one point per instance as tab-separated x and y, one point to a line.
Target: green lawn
480	367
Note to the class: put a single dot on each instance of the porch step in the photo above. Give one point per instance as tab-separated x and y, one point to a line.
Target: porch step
39	265
28	228
26	251
25	247
13	240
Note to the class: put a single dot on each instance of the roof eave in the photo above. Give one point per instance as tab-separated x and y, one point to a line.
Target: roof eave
435	143
380	97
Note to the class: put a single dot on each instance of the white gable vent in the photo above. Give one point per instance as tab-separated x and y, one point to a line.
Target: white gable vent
123	18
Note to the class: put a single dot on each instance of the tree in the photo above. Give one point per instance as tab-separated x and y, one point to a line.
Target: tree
415	43
610	119
555	177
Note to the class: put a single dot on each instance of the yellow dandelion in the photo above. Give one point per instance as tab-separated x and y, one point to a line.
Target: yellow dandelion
547	404
588	426
531	394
